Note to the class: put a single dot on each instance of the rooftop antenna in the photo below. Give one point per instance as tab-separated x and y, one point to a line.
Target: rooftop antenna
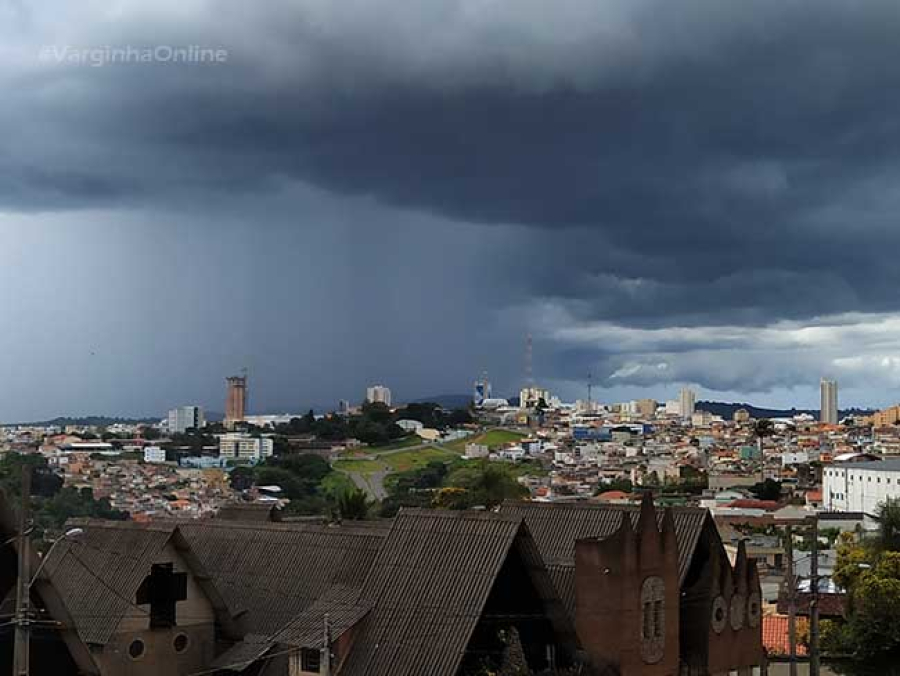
590	386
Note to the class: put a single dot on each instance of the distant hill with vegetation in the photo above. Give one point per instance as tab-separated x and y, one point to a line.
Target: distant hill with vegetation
726	410
86	421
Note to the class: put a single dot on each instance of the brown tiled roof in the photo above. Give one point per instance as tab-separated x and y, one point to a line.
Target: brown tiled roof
428	587
99	572
556	526
307	629
275	571
248	511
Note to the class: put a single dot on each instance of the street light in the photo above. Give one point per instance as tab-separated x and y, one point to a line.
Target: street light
22	655
71	533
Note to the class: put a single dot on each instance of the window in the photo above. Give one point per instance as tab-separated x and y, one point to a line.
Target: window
310	660
136	649
653	619
180	643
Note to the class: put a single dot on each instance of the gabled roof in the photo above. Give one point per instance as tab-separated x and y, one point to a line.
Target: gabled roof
99	572
428	588
274	571
556	526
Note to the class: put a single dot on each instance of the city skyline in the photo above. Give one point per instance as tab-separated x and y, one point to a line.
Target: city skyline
653	210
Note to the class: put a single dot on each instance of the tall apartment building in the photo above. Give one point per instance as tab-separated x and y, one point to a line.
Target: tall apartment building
235	400
378	394
236	446
886	417
829	407
687	400
184	418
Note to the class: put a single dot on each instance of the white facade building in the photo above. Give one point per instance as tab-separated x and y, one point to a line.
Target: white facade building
687	400
184	418
378	394
860	486
238	446
154	454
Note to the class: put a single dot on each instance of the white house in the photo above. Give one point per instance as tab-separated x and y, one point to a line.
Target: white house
860	486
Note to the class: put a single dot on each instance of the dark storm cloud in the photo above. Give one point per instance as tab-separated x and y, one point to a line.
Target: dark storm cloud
700	164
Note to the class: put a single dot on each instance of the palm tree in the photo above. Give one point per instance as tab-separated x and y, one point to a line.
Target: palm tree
762	428
353	505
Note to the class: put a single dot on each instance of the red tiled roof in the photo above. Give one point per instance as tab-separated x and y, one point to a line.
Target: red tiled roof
815	496
775	635
613	495
768	505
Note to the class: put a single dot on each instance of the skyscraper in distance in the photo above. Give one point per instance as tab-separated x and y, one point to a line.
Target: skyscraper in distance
687	400
828	412
235	400
184	418
378	394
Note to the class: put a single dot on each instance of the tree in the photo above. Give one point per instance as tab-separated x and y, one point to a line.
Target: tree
762	428
889	524
352	505
767	490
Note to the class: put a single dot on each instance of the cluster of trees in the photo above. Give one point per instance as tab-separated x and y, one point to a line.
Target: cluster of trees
51	503
375	425
869	569
463	486
302	479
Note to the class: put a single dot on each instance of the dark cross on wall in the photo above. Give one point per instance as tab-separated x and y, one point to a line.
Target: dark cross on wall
163	588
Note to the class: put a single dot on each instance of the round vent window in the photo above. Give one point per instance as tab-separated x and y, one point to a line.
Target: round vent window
180	643
136	649
719	614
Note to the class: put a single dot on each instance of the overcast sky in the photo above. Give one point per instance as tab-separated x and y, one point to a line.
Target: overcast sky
662	193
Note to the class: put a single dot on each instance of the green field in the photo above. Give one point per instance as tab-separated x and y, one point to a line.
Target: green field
337	483
407	460
361	466
406	442
492	438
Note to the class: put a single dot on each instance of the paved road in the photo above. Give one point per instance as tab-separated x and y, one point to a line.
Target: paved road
373	483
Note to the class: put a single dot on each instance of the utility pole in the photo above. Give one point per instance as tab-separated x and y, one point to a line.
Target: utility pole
814	601
22	649
791	599
326	648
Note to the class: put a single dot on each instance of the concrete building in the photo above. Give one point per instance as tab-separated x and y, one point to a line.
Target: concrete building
687	400
860	486
530	397
829	406
235	400
244	447
481	391
886	417
378	394
184	418
154	454
741	415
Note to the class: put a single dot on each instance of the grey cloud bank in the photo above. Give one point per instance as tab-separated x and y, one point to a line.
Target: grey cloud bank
400	191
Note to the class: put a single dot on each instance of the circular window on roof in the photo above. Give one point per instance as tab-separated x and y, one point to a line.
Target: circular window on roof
137	649
181	643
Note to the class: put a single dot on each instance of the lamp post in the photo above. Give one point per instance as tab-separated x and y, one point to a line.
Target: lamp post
22	655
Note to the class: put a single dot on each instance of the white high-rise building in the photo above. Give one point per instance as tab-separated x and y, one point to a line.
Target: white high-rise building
829	407
687	400
184	418
378	394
